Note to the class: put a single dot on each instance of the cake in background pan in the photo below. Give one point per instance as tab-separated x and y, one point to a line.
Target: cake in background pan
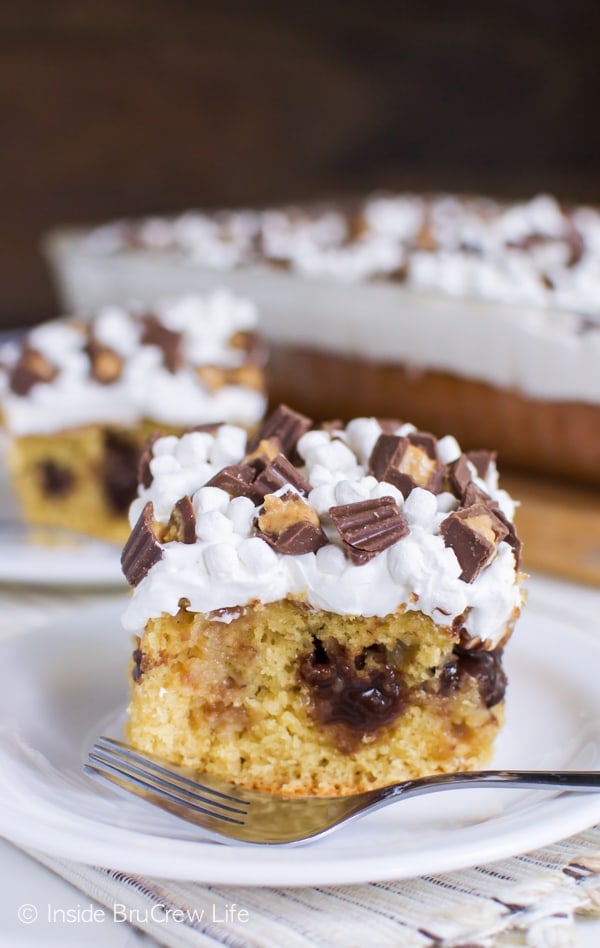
320	610
464	314
79	397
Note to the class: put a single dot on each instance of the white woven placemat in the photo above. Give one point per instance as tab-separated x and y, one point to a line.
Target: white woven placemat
529	899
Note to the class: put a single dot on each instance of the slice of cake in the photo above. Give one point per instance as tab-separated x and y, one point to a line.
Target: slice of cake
320	610
464	314
80	397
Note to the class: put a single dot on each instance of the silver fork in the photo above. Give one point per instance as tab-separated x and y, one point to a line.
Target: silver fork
253	817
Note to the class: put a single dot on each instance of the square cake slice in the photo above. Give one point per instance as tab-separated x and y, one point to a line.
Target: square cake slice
80	397
320	610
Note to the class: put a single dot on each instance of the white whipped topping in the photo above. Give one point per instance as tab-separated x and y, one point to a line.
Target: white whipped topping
468	247
145	389
508	295
228	567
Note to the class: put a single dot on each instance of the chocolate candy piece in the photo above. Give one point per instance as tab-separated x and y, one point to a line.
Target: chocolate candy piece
287	426
142	549
211	427
276	474
144	474
511	538
571	237
31	368
368	527
237	480
105	364
427	442
576	246
482	461
265	451
459	476
182	523
473	533
406	464
167	340
300	538
474	495
389	425
119	469
289	525
483	667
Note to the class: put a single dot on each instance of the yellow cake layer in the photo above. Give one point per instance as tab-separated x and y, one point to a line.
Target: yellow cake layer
229	699
81	452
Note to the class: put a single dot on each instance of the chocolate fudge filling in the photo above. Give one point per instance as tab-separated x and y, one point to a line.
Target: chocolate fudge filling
119	470
136	671
56	479
484	667
357	696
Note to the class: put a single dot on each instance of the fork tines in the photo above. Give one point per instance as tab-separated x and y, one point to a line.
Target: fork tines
121	765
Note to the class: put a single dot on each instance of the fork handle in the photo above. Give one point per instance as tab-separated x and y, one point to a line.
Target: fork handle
574	780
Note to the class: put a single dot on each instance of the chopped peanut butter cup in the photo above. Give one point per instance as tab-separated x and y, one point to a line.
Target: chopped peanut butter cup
368	527
106	365
143	548
473	533
182	523
31	369
277	474
289	525
167	340
407	462
287	426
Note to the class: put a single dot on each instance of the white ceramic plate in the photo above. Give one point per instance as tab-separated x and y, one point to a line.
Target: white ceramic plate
59	684
59	560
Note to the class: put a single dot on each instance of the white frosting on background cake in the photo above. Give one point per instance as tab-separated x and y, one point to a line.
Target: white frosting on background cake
145	387
228	567
508	294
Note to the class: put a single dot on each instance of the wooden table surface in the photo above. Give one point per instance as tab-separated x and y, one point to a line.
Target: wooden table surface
560	527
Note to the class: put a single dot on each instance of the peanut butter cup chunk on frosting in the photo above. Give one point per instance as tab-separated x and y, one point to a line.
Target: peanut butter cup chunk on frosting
31	368
290	525
81	396
369	526
286	426
407	462
143	548
473	534
307	620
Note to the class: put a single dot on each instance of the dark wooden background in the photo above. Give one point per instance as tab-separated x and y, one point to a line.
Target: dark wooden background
123	107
